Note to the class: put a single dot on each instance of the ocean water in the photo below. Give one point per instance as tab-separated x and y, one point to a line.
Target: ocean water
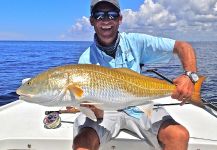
25	59
19	60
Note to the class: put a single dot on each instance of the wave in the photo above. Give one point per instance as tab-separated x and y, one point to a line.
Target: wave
8	98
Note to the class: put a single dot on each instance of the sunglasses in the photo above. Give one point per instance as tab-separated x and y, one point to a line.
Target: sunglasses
100	15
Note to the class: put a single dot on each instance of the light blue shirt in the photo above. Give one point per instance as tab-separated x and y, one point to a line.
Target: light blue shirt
133	49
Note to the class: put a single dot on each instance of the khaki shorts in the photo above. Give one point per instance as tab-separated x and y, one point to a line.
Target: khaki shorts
112	122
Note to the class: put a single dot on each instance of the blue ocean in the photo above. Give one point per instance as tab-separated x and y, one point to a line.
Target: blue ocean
25	59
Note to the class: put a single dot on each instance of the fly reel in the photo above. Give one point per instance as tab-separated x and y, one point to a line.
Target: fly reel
52	121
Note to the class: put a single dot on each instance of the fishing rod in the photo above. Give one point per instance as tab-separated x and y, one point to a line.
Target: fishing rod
75	110
172	104
205	102
69	110
159	74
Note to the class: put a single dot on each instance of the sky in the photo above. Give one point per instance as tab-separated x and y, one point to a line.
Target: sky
68	20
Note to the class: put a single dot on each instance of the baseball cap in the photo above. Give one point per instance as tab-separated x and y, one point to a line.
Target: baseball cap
113	2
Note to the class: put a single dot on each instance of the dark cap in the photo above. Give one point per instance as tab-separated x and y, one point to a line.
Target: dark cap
113	2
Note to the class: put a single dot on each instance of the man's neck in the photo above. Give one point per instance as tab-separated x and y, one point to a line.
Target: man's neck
109	50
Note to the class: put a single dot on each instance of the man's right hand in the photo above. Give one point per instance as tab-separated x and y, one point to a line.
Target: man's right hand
98	112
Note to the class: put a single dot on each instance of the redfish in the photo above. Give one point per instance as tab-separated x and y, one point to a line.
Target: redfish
106	88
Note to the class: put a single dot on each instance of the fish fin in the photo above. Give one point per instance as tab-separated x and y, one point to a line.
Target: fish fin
77	91
147	109
128	71
89	113
97	105
196	97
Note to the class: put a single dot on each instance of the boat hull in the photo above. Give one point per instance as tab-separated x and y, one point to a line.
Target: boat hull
22	128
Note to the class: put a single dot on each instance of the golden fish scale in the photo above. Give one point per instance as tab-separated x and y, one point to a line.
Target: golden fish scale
130	82
98	81
101	77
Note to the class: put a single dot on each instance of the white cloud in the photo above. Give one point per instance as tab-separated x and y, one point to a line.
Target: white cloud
215	7
82	24
192	11
81	30
179	19
151	16
197	17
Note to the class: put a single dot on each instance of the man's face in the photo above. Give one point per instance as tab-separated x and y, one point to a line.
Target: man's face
106	28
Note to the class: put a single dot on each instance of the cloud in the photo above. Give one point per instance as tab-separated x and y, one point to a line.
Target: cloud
193	14
151	16
215	7
81	30
184	19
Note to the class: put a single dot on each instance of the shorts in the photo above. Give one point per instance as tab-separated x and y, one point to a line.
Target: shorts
113	122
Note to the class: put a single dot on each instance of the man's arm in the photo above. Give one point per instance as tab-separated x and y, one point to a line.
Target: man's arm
187	55
184	85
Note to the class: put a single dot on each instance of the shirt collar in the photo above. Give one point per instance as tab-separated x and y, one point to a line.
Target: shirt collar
123	53
109	50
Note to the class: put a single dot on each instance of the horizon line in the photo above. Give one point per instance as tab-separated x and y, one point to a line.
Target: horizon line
86	41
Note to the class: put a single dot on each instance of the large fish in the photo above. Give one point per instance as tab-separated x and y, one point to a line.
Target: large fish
106	88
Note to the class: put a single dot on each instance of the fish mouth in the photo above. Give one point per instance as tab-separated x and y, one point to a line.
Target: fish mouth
19	92
35	99
25	97
31	99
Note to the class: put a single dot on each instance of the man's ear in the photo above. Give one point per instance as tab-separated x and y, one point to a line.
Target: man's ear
91	21
120	19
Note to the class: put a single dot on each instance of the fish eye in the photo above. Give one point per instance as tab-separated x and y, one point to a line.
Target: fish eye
29	83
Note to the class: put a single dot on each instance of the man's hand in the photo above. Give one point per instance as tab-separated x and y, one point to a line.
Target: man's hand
98	112
184	89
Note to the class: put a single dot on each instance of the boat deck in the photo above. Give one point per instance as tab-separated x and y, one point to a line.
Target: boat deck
22	128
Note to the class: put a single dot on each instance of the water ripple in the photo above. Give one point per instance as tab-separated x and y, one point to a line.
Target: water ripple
19	60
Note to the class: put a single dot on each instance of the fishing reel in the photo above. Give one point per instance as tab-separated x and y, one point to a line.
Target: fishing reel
52	120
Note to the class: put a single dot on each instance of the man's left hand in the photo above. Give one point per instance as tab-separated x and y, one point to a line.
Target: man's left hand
184	89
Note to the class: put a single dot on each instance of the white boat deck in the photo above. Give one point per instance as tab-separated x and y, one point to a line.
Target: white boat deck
22	128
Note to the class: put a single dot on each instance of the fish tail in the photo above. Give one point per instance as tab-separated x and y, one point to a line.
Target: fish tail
196	97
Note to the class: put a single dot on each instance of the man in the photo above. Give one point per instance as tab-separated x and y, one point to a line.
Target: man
115	50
